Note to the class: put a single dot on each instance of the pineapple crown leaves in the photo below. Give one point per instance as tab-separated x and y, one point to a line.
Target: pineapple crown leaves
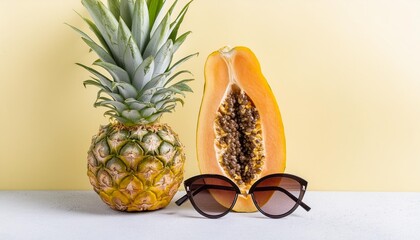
136	41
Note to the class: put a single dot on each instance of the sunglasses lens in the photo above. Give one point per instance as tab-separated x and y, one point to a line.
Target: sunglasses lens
277	196
212	196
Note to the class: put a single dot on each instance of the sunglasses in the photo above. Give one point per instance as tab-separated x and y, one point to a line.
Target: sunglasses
275	195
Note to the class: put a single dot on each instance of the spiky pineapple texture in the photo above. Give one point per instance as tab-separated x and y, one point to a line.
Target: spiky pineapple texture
136	168
136	41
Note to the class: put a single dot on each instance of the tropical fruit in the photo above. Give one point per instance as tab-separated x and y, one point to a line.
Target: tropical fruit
136	163
240	131
136	168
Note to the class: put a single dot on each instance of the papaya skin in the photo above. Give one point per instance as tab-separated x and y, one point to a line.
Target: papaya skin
241	67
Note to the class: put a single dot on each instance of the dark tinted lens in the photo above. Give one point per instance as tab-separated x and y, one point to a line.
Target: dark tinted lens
212	196
277	195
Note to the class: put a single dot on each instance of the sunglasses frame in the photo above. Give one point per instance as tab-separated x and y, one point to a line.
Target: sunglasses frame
189	196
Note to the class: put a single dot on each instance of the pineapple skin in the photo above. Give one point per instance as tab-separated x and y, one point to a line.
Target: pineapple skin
136	168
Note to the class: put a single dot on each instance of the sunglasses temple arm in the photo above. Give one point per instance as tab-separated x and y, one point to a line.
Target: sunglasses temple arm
298	201
180	201
302	204
184	198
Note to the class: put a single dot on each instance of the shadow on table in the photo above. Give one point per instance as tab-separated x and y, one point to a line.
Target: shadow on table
186	211
67	201
87	202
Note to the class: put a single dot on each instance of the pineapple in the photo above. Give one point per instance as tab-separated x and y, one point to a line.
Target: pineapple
136	163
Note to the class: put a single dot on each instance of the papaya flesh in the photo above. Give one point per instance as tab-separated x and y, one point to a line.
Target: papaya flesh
240	131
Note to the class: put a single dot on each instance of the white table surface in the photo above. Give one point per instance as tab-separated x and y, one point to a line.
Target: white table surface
82	215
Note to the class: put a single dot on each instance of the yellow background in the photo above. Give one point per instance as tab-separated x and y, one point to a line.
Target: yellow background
346	75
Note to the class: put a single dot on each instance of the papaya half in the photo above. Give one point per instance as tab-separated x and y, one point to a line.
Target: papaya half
240	131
